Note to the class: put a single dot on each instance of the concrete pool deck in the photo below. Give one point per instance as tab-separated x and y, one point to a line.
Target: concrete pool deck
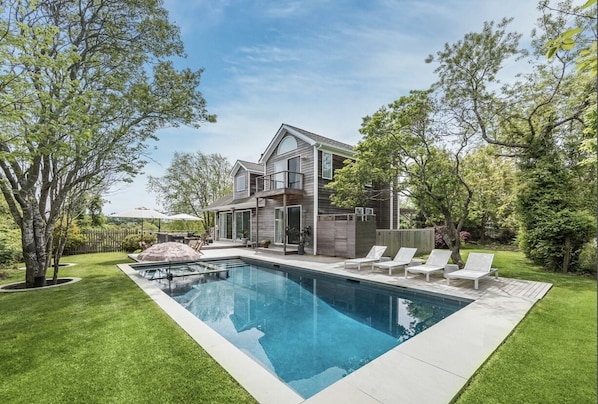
432	367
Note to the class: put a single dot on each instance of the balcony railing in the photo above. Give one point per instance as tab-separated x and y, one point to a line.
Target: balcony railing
279	182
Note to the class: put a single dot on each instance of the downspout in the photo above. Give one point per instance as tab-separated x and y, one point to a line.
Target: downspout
392	200
314	235
398	208
257	220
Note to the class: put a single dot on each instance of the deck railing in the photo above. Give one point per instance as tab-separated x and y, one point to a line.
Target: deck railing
279	180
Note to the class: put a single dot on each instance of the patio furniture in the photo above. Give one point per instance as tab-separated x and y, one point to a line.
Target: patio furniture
373	256
435	263
196	245
477	266
403	258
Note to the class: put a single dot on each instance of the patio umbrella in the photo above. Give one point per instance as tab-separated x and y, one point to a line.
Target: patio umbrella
141	213
184	216
170	251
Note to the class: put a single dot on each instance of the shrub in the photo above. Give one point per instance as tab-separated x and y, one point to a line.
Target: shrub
588	258
74	236
10	247
131	242
557	238
465	236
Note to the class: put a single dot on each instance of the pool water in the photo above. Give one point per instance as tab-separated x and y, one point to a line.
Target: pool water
307	329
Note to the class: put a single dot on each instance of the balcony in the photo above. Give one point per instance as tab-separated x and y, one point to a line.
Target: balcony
280	183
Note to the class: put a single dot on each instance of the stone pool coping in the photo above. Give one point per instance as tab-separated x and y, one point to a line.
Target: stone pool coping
432	367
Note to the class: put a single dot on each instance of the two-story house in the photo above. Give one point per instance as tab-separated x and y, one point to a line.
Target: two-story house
280	197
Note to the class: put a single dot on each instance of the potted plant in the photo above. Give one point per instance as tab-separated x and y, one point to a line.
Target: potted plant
265	243
303	239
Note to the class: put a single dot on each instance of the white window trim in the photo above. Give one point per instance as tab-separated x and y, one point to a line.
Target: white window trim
244	182
286	145
327	177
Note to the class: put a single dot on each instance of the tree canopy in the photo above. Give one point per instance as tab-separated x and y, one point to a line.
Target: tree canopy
192	182
543	119
84	84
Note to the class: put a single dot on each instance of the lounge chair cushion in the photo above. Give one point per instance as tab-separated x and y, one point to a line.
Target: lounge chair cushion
374	255
435	263
477	266
403	258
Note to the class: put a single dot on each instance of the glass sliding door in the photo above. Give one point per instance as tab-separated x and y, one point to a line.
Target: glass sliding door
243	224
279	170
294	167
225	224
293	224
278	226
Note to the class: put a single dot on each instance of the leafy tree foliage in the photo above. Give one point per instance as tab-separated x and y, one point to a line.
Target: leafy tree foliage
83	85
555	228
566	41
538	120
192	182
10	242
493	182
403	145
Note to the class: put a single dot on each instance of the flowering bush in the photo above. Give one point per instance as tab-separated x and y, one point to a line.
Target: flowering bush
465	236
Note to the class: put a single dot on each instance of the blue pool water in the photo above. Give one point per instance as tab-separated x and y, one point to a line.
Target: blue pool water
307	329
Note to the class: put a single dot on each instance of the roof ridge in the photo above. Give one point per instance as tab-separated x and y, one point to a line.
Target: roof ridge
319	138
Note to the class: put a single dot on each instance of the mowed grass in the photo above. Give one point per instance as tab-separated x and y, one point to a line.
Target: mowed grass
101	340
551	356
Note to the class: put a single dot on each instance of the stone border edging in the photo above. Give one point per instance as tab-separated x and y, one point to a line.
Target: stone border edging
3	288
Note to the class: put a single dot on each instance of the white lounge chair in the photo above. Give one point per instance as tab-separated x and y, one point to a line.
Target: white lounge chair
403	258
373	256
435	263
477	266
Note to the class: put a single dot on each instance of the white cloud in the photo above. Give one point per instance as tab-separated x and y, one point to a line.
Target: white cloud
318	65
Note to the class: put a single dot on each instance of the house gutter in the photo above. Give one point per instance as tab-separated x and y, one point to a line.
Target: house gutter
316	199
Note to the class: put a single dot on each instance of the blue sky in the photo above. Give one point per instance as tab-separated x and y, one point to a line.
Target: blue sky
320	65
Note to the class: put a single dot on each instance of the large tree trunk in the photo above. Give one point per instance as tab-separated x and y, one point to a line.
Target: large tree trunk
35	248
453	242
451	237
567	250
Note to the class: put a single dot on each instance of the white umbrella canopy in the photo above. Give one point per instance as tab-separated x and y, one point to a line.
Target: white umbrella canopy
184	216
141	213
170	251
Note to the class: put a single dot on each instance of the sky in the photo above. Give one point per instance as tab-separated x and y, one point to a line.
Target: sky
320	65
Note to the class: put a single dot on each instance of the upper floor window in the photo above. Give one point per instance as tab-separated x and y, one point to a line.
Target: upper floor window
327	165
241	183
287	144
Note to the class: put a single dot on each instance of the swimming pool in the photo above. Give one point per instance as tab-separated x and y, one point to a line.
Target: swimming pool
309	329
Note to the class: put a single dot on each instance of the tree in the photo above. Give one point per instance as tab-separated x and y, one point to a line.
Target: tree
192	182
84	84
587	60
493	181
533	119
409	141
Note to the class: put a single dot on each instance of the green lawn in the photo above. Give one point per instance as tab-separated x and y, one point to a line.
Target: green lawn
551	356
103	340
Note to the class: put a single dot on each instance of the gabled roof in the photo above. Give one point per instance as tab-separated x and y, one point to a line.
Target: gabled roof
313	139
254	168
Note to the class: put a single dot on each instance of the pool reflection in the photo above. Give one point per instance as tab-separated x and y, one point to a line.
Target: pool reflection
309	331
